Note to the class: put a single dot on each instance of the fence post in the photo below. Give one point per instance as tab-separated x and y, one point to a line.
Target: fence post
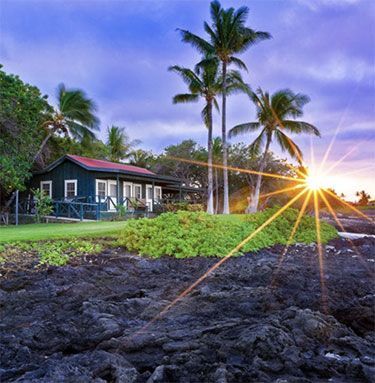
57	205
17	202
81	212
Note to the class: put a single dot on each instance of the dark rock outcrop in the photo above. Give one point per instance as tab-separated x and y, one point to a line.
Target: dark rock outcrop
255	319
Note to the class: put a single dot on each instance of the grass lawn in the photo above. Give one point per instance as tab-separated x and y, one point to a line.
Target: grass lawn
42	231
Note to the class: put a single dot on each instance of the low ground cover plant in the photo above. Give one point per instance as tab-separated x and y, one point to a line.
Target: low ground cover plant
55	253
189	234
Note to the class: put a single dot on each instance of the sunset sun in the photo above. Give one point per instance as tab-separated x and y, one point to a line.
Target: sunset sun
314	181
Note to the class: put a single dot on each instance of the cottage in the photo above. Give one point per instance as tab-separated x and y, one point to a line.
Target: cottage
88	184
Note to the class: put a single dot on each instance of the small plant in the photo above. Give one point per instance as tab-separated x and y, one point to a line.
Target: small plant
121	210
43	204
56	253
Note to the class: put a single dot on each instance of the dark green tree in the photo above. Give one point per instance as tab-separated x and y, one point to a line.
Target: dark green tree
23	110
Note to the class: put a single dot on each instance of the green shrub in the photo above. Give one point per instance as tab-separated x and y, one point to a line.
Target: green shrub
189	234
43	204
55	253
183	206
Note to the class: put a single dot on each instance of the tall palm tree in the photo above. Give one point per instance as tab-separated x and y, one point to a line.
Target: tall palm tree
119	143
74	116
275	116
217	154
228	36
205	82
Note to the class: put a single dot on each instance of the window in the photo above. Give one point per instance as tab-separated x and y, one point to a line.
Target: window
101	188
128	190
112	189
157	193
70	188
138	191
46	188
149	192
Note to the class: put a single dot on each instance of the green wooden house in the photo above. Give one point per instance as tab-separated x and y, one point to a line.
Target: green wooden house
88	188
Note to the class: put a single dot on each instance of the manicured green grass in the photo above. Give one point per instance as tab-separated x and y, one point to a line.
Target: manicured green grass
43	231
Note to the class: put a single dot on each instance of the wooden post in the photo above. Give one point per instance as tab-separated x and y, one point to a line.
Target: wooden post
17	198
117	190
81	212
153	195
180	191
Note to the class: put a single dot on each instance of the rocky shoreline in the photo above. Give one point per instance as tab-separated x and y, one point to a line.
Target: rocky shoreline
250	321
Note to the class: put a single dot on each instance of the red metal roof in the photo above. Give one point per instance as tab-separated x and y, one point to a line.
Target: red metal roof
102	164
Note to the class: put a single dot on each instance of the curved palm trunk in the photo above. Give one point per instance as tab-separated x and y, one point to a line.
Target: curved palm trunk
224	139
210	189
254	201
42	145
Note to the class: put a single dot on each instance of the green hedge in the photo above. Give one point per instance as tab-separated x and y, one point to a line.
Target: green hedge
188	234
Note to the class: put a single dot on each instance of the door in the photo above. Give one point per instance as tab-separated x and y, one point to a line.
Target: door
112	192
149	197
128	187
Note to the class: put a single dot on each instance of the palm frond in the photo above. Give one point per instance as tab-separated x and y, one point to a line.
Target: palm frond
238	63
258	143
301	127
197	42
185	97
244	128
288	145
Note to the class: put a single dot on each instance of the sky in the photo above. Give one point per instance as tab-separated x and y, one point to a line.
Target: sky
119	52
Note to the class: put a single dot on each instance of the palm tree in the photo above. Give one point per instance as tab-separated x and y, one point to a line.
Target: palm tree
364	198
119	143
228	36
74	116
141	158
217	154
205	82
275	115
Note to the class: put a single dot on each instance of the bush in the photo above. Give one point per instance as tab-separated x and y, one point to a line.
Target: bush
189	234
183	206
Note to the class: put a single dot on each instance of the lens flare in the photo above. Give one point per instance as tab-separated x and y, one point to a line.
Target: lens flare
315	181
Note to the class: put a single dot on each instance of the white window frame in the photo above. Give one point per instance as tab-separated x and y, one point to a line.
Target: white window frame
134	193
161	192
50	187
97	181
131	189
75	182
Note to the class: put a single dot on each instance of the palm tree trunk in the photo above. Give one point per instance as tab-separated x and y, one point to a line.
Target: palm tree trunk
224	139
210	189
42	145
254	201
216	191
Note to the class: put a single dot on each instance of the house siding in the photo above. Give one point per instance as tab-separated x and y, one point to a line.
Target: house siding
86	180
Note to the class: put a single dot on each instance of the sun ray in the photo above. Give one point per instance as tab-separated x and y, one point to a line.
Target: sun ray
284	190
219	263
349	206
341	226
338	162
248	171
320	253
342	118
292	234
365	169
